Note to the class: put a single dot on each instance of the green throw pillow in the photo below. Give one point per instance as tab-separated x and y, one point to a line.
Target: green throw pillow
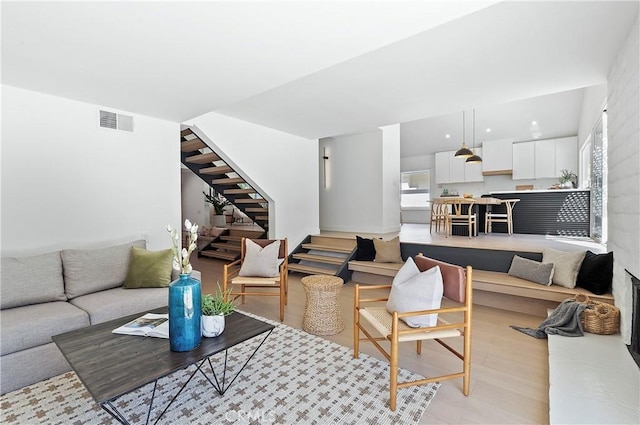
149	269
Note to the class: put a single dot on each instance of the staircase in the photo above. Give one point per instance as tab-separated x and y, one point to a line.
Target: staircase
318	254
227	245
199	157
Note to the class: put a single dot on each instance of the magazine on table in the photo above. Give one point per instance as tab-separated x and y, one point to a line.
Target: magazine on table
151	324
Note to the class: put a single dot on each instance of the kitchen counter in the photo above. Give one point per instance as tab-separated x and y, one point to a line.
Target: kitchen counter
539	191
557	212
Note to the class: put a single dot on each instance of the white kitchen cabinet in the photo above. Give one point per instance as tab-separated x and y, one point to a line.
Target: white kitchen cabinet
450	169
456	168
524	160
545	159
566	155
497	158
473	172
442	167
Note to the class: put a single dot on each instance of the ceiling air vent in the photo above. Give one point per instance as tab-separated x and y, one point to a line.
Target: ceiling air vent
116	121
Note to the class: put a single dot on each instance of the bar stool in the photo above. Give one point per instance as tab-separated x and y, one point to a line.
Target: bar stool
490	217
456	217
438	215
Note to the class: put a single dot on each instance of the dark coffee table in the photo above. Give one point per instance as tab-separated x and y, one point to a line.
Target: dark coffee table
112	365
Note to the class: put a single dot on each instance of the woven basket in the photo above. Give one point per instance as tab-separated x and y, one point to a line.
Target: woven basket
598	317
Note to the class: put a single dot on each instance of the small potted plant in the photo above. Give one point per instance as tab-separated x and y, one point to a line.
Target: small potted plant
214	308
218	202
566	178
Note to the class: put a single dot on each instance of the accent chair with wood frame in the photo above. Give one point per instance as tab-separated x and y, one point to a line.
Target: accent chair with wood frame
241	286
377	324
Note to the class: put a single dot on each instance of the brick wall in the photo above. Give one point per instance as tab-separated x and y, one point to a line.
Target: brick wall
623	110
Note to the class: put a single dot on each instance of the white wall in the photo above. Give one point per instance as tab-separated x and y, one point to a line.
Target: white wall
281	164
623	110
194	206
390	178
363	194
67	183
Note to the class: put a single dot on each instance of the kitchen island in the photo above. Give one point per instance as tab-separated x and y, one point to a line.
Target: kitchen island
561	212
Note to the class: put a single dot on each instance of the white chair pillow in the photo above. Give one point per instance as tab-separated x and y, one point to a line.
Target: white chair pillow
413	290
259	261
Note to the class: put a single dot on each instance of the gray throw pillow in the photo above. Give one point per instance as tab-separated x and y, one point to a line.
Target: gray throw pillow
259	261
566	265
534	271
413	290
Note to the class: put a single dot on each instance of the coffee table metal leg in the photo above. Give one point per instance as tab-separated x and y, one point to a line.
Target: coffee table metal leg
220	386
111	409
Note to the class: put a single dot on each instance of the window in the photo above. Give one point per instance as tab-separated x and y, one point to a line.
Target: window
585	164
599	181
415	189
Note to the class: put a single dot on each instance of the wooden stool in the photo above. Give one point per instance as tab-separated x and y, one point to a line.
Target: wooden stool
322	314
491	217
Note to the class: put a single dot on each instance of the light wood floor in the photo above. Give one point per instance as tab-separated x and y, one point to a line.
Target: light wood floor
509	377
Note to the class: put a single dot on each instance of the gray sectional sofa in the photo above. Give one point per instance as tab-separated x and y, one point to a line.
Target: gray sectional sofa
57	292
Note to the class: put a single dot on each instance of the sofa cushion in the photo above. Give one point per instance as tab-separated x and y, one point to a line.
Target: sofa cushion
566	266
531	270
387	251
34	325
92	270
31	280
118	302
149	269
596	273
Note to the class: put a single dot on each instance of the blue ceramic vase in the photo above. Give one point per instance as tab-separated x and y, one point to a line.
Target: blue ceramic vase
185	311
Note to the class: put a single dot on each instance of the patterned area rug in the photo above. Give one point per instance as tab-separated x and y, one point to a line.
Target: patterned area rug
295	378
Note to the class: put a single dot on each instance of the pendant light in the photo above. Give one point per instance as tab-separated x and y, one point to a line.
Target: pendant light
474	159
463	152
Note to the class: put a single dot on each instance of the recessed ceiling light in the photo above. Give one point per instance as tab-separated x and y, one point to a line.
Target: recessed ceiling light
488	130
534	122
447	136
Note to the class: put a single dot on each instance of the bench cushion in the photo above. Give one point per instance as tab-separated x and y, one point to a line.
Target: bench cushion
31	280
34	325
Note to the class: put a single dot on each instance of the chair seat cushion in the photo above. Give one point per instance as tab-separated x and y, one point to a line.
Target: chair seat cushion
248	280
380	319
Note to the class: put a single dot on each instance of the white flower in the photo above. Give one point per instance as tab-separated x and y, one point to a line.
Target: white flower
181	256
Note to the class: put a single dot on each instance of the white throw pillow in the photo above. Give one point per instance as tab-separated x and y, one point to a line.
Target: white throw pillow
259	261
413	290
566	265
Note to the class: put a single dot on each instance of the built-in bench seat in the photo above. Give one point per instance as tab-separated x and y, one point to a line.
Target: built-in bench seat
506	292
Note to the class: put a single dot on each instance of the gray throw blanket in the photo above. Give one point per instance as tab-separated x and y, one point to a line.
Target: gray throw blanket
564	321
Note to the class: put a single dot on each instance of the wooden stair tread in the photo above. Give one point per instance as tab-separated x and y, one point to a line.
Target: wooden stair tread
238	191
250	201
256	210
185	132
231	238
227	246
261	218
222	169
318	247
202	158
221	255
192	145
295	267
318	258
230	180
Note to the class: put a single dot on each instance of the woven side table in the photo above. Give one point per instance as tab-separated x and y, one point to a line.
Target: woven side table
322	314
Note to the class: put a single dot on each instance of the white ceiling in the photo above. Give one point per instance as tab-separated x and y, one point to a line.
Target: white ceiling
313	68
